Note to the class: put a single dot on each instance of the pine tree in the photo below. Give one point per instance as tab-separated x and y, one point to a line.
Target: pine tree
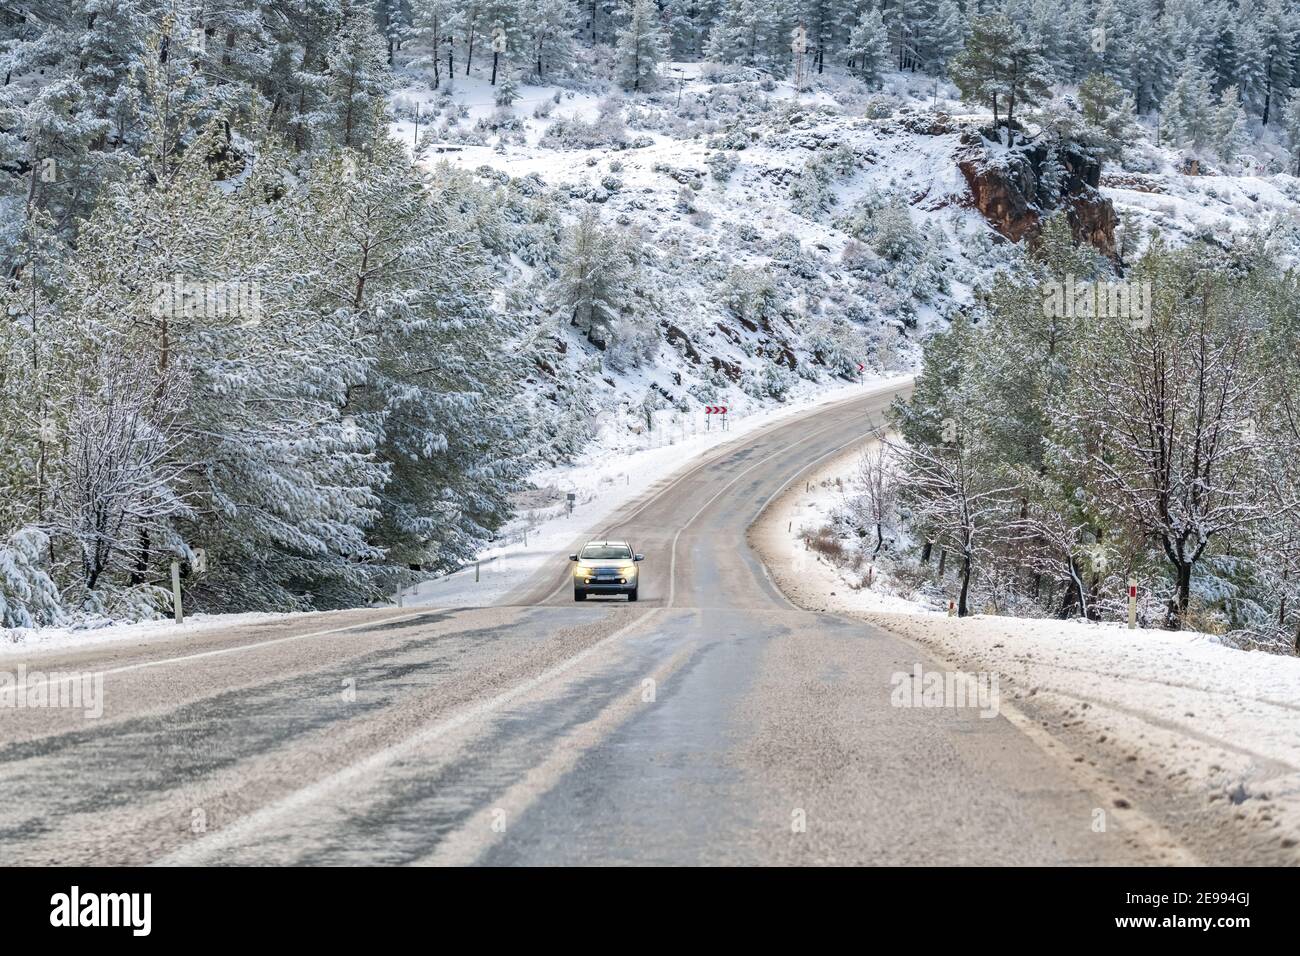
944	35
354	82
415	295
1108	113
1000	67
547	27
1229	124
904	20
1188	110
1291	125
641	47
868	47
1270	56
593	277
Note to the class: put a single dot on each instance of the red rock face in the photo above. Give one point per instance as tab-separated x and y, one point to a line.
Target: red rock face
1007	192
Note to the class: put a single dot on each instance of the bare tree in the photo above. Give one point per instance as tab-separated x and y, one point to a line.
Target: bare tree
1165	416
123	483
952	492
875	503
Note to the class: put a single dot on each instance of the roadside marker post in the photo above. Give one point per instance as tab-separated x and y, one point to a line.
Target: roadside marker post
570	499
176	591
1132	603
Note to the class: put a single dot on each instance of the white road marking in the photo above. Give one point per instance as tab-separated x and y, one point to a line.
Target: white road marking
472	838
231	835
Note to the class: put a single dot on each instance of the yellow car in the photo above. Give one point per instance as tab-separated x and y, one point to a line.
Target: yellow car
605	567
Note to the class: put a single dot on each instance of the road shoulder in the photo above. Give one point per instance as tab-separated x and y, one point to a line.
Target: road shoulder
1196	743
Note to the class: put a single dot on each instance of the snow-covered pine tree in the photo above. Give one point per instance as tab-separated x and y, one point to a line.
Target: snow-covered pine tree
943	36
868	47
1269	54
353	81
641	47
547	27
1229	125
592	278
1108	115
1291	126
905	19
384	258
1188	112
1001	68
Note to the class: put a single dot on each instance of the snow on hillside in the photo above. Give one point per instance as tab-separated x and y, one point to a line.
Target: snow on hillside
725	172
710	188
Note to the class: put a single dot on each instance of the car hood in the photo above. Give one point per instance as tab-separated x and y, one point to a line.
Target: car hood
601	563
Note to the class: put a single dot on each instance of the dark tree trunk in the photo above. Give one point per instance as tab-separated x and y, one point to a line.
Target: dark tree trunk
1182	596
925	552
962	609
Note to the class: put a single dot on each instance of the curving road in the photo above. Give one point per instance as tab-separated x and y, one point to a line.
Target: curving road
711	722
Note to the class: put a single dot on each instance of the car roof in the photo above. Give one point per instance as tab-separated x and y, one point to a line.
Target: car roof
603	541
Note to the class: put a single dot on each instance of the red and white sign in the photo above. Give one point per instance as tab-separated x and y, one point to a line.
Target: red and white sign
715	409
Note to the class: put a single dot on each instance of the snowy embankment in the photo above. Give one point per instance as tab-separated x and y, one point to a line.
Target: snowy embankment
1207	735
23	640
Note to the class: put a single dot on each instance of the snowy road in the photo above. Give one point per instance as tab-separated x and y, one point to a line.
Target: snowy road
713	722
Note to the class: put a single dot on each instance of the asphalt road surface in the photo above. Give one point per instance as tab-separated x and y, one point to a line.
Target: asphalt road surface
711	722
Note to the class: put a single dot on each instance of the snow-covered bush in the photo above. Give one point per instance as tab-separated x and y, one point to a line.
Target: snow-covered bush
722	164
28	595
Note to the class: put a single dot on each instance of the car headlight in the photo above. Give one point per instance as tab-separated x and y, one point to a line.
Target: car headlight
628	571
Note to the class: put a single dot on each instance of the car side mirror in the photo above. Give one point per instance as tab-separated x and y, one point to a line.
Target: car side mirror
638	557
573	557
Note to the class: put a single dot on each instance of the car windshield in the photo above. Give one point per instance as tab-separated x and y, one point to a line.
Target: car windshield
606	552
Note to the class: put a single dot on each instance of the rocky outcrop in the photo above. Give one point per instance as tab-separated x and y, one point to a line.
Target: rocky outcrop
1009	190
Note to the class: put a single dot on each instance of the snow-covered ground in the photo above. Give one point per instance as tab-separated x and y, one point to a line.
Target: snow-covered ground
1153	712
19	641
1154	709
810	578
